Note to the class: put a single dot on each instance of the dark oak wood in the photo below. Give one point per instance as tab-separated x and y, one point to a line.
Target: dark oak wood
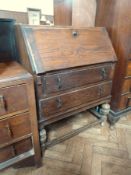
115	16
70	79
57	105
18	121
72	67
48	52
63	12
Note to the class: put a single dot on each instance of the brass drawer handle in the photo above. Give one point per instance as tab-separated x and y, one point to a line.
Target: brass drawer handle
58	102
2	102
103	73
59	84
101	91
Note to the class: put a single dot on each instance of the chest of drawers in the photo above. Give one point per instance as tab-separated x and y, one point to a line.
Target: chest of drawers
19	137
115	17
72	68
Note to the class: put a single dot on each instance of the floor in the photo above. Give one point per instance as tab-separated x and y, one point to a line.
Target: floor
96	151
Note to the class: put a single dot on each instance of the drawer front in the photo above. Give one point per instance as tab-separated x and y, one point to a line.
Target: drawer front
6	153
76	78
63	103
15	149
13	99
23	146
125	101
126	86
14	127
128	73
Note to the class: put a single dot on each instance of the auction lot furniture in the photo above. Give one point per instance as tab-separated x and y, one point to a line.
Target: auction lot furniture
19	137
72	67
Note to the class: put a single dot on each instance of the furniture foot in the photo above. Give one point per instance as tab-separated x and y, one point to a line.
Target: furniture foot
43	136
101	112
113	119
112	127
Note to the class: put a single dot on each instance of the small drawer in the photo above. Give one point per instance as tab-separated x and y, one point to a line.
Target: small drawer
6	153
67	101
125	101
76	78
23	146
15	149
128	73
126	88
13	99
14	127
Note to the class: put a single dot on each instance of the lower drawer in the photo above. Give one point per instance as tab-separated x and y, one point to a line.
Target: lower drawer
15	149
14	127
53	106
126	86
125	101
6	153
128	73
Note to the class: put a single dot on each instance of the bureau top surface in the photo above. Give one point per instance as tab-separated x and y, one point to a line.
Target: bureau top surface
12	71
55	48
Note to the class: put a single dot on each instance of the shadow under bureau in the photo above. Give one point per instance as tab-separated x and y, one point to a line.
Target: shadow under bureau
72	68
19	139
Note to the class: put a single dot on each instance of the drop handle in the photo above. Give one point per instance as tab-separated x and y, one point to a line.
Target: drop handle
101	91
58	102
103	73
9	130
59	84
2	102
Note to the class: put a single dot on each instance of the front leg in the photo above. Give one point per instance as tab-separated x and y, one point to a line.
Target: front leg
104	112
101	112
43	137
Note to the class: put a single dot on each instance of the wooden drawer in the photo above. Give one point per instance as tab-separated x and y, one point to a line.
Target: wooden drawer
67	101
125	102
23	146
13	99
14	127
128	73
15	149
76	78
6	153
126	86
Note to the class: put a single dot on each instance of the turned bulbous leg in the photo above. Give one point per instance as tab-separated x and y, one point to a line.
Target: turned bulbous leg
43	136
104	111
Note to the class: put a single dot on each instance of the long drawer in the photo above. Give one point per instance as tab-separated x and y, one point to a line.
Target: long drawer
52	106
76	78
13	99
14	127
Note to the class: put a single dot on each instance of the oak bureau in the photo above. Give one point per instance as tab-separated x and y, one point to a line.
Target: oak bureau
72	68
19	139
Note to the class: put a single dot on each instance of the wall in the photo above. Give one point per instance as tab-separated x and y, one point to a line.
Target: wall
21	6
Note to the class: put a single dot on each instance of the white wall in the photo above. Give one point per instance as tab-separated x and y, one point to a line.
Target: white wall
21	5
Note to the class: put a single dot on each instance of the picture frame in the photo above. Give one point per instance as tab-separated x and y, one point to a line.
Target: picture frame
34	16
